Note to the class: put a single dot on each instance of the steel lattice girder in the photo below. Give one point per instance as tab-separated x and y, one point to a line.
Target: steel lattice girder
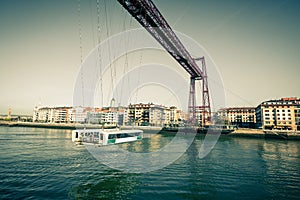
146	13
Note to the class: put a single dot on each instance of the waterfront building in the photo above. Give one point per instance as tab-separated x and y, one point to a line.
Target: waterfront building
166	116
59	114
77	115
199	119
113	115
175	117
239	116
122	114
94	117
297	115
135	114
42	114
109	117
138	114
280	114
158	115
181	117
152	115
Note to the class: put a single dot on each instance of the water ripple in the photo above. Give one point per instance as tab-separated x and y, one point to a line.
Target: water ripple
45	164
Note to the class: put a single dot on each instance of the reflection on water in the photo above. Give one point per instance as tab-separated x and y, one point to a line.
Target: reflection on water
44	163
150	143
128	160
281	159
108	184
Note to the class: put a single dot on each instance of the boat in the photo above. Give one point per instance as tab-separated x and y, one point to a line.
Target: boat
223	129
105	136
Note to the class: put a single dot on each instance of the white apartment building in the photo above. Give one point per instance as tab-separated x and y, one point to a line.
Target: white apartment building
239	116
79	115
151	115
158	115
42	114
136	114
110	117
279	114
59	114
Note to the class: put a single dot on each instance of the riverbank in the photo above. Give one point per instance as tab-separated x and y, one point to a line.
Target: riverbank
49	125
241	132
148	129
260	133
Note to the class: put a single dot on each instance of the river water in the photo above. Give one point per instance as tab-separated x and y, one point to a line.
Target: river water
41	163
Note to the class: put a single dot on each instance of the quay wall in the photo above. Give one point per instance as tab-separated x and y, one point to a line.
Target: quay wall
241	132
49	125
260	133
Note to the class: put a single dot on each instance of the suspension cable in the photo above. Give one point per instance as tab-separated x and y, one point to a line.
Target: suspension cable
98	49
109	46
139	75
80	48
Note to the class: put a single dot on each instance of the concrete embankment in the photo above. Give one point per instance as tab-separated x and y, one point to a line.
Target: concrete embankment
247	132
241	132
49	125
259	133
148	129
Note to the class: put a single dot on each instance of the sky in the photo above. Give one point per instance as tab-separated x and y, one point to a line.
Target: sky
255	45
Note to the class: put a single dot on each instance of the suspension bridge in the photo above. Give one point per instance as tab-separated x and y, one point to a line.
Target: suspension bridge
148	15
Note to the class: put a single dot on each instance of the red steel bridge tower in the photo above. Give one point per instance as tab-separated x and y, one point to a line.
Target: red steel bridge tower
147	14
